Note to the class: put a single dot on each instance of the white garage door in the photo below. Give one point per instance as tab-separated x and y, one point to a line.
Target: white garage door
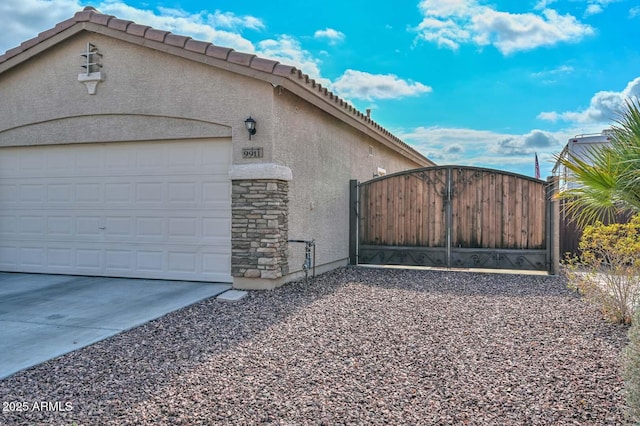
136	209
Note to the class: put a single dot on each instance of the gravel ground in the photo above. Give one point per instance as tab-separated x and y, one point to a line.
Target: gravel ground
354	346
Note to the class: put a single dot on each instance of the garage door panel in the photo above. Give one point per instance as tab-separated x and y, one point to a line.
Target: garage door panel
31	225
181	158
118	261
88	192
150	261
59	160
216	228
9	256
120	192
32	161
88	226
88	258
149	228
60	193
149	192
118	158
8	225
32	192
32	256
150	210
60	258
179	261
9	193
183	228
118	227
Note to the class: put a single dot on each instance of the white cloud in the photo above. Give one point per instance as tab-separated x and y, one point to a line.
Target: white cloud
595	7
551	76
287	49
230	20
543	4
24	19
634	12
503	151
549	116
333	36
203	26
362	85
451	23
603	107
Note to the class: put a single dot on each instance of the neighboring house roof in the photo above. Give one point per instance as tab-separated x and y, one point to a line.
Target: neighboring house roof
246	64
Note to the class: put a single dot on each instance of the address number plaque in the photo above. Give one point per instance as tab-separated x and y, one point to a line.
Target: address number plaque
252	153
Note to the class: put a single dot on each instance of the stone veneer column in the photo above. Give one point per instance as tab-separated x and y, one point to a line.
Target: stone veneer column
259	228
259	225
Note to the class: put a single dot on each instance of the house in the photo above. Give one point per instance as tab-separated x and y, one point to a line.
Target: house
579	146
128	151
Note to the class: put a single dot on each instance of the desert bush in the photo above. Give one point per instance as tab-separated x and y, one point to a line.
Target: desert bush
608	271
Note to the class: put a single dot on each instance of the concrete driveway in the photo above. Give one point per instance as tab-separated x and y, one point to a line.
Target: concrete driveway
45	316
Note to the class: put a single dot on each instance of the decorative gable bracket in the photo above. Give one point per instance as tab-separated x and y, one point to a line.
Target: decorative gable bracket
92	66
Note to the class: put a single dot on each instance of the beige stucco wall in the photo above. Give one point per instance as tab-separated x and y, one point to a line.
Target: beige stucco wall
323	154
146	95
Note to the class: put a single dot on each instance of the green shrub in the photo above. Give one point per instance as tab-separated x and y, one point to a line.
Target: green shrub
608	271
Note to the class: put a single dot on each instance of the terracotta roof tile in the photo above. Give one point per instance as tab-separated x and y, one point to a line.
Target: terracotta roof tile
261	64
29	43
218	52
68	23
13	52
284	70
240	58
137	29
176	40
156	35
84	15
268	66
99	18
119	24
196	46
50	33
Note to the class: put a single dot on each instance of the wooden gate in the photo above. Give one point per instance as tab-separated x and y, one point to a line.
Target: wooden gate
452	216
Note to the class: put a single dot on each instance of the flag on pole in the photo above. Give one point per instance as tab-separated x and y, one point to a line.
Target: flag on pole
537	167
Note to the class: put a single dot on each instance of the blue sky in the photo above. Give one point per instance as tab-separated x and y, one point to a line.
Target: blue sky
471	82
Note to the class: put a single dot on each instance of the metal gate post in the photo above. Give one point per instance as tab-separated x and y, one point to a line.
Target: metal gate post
353	222
553	226
449	212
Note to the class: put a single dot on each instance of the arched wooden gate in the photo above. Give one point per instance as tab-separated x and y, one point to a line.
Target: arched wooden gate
452	216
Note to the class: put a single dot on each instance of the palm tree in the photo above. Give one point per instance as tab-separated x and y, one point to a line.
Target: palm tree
608	178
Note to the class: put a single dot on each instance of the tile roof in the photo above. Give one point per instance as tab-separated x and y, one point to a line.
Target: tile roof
250	61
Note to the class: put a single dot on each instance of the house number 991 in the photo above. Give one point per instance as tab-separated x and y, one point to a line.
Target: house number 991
251	152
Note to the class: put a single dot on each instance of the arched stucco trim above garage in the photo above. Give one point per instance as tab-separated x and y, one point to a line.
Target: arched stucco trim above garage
111	128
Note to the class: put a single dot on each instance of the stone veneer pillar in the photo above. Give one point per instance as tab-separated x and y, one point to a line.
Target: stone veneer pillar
259	225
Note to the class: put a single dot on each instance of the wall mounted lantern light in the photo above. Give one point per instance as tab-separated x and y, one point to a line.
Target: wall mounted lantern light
250	124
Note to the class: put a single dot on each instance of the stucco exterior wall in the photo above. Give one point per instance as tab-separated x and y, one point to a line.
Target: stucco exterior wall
146	95
323	154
